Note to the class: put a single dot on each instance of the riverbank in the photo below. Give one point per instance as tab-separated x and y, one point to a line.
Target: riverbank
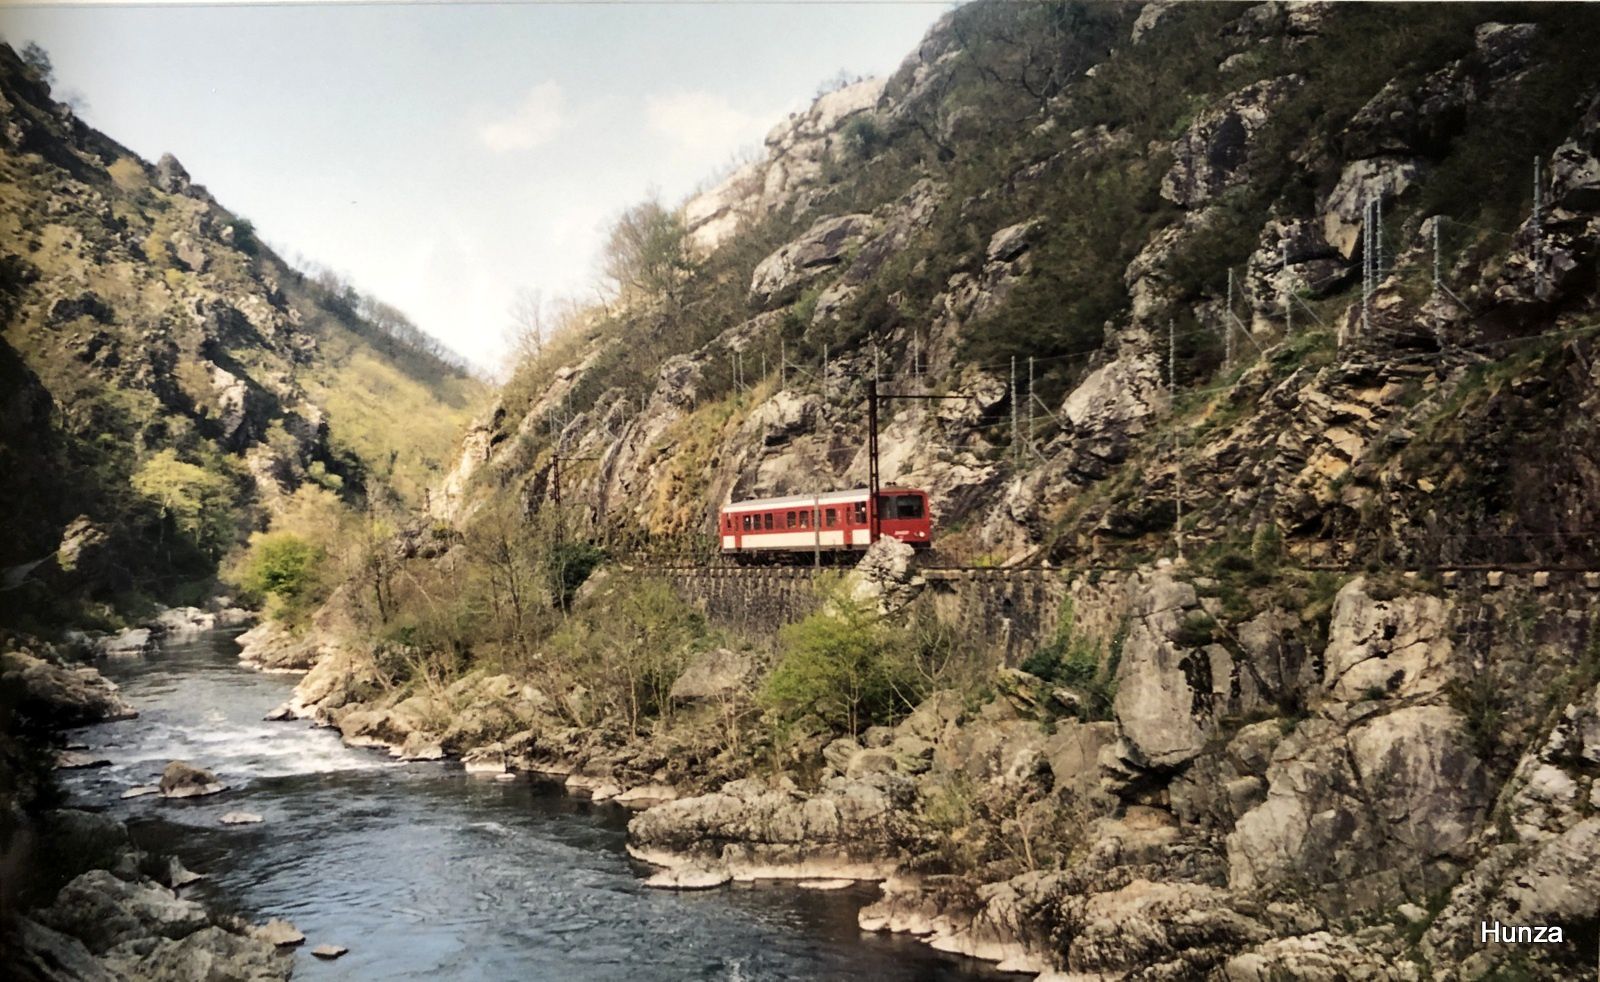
82	901
425	871
1011	824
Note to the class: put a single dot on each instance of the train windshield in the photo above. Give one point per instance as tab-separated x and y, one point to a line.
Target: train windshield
899	506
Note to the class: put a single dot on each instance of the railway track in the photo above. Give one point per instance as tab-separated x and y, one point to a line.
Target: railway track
1539	574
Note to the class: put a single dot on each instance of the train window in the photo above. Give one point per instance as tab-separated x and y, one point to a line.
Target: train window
832	516
768	522
746	519
861	513
805	519
907	506
788	520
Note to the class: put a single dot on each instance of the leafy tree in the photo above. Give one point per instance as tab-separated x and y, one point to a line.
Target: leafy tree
195	502
844	665
283	565
38	61
647	252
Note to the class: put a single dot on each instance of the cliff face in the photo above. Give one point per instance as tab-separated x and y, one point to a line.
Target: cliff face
1109	205
1283	297
169	379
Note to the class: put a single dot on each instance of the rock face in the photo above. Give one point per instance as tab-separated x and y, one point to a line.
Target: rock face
1378	178
1213	155
1163	689
716	674
779	276
182	779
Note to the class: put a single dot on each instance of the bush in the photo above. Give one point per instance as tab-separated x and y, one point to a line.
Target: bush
843	665
285	568
1072	659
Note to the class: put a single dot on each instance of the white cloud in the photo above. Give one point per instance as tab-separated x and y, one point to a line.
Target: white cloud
536	121
704	123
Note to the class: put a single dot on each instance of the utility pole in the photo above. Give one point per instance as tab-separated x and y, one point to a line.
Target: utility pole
916	352
783	364
872	460
1288	292
1437	223
1538	234
1030	403
1366	268
1177	462
1016	444
824	382
1227	326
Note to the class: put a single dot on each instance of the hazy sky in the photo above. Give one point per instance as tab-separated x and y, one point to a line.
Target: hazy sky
443	155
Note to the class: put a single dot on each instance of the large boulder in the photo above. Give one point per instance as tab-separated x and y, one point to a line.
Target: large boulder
1388	648
102	911
54	695
208	954
1162	703
182	779
1114	404
1388	806
850	829
714	675
884	577
1382	178
778	278
36	953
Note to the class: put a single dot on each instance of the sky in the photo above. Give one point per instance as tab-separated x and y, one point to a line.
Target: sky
442	156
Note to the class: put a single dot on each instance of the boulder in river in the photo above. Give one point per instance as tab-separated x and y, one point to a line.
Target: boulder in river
69	760
183	622
140	790
182	779
329	951
692	876
278	932
241	818
279	714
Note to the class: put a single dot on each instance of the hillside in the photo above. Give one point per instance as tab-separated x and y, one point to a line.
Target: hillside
171	382
1264	338
1259	640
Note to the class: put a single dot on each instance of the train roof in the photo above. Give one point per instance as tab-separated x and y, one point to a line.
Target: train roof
797	500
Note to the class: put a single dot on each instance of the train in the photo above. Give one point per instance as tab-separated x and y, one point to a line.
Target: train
836	524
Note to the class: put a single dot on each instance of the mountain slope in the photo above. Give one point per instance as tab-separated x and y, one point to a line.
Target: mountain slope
1304	355
176	380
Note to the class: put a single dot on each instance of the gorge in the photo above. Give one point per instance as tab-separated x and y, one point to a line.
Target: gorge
1258	639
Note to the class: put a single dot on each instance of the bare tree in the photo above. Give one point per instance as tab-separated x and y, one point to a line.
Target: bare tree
530	324
647	253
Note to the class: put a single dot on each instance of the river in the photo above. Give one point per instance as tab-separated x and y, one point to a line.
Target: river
423	871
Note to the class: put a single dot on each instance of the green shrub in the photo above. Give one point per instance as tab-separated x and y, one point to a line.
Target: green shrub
843	665
1073	659
282	564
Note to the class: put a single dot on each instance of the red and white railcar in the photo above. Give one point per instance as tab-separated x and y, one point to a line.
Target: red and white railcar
838	521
